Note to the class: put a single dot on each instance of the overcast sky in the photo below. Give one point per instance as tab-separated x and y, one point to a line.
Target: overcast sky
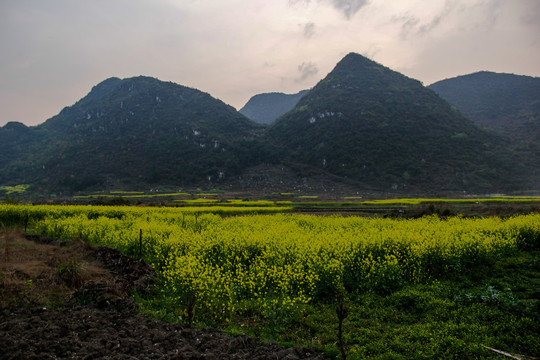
52	52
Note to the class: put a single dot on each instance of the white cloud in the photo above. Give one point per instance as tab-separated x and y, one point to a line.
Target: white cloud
348	8
306	70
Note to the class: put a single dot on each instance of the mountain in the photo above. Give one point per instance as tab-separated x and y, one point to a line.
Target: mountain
382	130
14	138
507	103
131	132
363	127
267	107
17	144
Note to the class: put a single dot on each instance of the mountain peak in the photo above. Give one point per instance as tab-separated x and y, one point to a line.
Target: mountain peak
107	83
136	128
358	72
15	126
356	62
353	57
128	84
376	126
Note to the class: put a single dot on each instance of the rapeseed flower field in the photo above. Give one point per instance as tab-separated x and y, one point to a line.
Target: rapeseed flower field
267	263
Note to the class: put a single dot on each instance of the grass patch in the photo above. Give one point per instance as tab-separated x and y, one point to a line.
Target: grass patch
197	201
495	307
128	192
14	189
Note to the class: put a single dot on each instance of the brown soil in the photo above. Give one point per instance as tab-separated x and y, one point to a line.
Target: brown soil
42	283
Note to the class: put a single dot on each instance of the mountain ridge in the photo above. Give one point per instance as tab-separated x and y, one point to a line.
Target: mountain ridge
508	104
364	125
355	120
138	127
265	108
503	102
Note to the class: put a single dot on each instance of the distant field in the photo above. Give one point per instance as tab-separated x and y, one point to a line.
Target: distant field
497	199
190	198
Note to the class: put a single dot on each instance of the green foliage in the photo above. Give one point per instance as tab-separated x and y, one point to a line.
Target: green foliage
426	322
14	189
504	299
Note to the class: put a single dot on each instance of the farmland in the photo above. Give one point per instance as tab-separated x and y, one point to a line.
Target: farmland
427	287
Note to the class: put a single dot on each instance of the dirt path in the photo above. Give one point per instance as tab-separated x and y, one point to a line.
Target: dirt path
39	271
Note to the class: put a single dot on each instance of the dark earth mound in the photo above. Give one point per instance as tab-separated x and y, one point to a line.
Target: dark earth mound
85	332
37	272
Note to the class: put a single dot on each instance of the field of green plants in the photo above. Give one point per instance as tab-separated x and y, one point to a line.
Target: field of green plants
426	288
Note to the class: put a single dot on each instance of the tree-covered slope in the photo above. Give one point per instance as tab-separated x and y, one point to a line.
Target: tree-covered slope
266	108
504	102
364	124
384	130
18	143
138	131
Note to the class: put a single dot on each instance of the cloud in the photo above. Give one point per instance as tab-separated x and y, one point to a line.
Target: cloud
412	25
309	30
303	2
409	25
371	51
426	28
306	69
532	16
474	36
349	7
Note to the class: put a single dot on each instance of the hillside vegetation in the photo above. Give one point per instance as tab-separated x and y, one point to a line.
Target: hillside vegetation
384	130
363	127
506	103
138	131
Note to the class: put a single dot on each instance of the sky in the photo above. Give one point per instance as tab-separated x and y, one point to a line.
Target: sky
53	52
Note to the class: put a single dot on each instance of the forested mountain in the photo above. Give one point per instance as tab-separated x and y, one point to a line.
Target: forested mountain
504	102
132	132
19	149
384	130
363	125
267	107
